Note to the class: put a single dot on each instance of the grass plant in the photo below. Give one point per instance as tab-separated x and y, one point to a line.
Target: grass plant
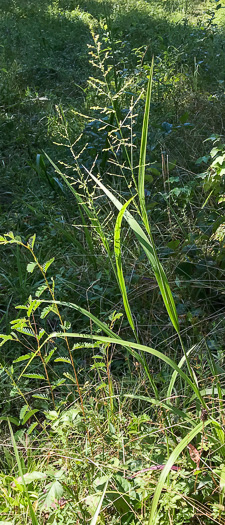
112	327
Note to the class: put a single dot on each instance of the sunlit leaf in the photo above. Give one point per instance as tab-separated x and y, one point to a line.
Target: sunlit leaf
29	415
34	376
47	264
31	266
54	492
23	358
172	459
31	510
32	427
23	411
31	241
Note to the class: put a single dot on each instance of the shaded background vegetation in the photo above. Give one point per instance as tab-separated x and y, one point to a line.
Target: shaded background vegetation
45	89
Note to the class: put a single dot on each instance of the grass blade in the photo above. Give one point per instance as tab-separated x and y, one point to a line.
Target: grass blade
106	330
174	376
98	510
114	339
172	459
150	251
117	251
142	159
32	513
122	285
164	405
136	346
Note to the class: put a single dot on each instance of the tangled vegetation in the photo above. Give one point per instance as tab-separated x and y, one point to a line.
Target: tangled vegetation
112	262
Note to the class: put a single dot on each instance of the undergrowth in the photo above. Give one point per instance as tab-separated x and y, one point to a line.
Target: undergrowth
112	327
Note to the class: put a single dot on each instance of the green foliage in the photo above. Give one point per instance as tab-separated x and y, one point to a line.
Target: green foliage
31	511
112	363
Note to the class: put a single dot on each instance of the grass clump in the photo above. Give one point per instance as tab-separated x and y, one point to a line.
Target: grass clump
112	321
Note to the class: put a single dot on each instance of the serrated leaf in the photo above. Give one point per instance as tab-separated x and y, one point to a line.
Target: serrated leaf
31	266
47	264
48	357
68	376
26	331
62	360
77	346
20	322
98	364
34	304
32	427
41	289
28	415
47	310
66	325
34	376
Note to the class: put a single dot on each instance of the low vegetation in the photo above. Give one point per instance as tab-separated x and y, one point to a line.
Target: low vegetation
112	262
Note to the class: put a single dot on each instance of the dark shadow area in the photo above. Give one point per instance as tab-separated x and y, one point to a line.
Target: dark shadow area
46	49
45	61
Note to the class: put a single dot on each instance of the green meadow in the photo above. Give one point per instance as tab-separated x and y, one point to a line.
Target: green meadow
112	234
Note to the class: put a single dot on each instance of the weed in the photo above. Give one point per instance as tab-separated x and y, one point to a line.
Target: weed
112	368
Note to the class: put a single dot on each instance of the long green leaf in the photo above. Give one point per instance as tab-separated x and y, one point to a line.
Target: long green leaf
174	376
109	332
122	285
98	510
137	346
32	513
143	148
114	339
164	405
151	254
172	459
147	245
117	251
159	272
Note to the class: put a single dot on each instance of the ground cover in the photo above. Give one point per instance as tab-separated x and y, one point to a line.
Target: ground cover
112	324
